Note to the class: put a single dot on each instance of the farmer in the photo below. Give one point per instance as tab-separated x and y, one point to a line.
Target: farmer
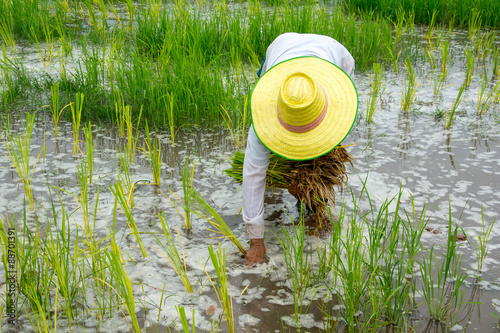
303	106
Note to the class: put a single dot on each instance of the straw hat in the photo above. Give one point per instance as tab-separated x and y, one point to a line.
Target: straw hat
303	108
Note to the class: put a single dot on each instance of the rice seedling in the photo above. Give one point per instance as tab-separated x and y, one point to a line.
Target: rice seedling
200	207
155	325
484	45
153	154
62	68
7	34
48	54
35	277
169	100
39	319
496	98
187	186
454	107
354	275
474	24
238	131
95	266
66	46
76	116
439	83
222	289
444	56
299	262
394	59
457	13
410	87
326	258
131	138
125	179
64	261
9	92
400	25
441	292
471	60
122	199
374	264
431	27
82	175
119	113
485	100
394	274
131	8
122	285
172	254
431	59
56	111
495	63
441	283
98	25
481	247
90	149
113	10
413	228
5	124
184	321
376	91
19	152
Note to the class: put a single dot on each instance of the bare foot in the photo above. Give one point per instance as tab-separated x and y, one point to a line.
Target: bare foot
256	252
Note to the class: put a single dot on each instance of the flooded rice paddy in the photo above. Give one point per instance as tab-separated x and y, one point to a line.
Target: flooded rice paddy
444	171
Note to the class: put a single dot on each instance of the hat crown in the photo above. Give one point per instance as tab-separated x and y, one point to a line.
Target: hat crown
300	100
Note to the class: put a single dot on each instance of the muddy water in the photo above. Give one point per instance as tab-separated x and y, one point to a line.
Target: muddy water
455	170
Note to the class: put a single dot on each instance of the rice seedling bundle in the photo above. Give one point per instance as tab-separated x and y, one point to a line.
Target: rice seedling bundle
310	181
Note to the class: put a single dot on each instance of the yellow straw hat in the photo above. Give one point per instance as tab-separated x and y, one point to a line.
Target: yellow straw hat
304	107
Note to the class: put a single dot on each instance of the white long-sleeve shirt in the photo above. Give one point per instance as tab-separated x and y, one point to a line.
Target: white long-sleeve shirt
286	46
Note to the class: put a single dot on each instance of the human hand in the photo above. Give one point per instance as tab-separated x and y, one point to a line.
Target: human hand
256	252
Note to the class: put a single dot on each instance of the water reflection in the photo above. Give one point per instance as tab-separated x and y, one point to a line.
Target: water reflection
405	140
448	135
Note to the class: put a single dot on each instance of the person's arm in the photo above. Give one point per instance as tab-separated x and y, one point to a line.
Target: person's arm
254	186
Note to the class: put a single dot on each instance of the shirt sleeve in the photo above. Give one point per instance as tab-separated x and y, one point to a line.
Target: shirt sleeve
254	185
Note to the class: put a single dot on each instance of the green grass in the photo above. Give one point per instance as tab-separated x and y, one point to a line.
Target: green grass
178	67
299	262
172	254
76	116
442	280
369	264
121	198
57	111
153	154
410	86
376	91
90	145
123	284
454	107
19	152
222	288
200	207
461	13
